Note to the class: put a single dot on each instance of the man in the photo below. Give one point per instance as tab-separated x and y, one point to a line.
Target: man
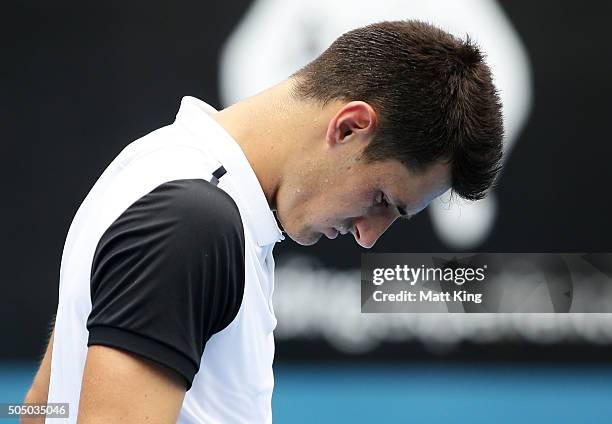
165	309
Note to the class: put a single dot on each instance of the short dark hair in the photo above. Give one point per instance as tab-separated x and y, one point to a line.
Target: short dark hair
433	94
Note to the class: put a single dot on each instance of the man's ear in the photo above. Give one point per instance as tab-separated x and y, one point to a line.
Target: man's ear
355	117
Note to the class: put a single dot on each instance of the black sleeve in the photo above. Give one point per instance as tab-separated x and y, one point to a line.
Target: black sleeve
168	274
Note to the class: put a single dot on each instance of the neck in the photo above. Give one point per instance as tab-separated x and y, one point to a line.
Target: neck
265	126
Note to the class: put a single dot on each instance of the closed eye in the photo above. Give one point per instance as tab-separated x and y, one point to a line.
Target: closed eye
382	201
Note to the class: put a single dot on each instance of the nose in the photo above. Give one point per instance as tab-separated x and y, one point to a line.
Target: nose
368	229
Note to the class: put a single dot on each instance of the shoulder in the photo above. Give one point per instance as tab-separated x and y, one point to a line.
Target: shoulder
170	226
191	209
196	201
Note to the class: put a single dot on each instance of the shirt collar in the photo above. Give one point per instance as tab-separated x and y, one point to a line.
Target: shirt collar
195	115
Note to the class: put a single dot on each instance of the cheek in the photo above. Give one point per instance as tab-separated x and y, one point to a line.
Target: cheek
354	204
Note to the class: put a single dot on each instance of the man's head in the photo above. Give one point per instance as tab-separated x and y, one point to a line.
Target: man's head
406	111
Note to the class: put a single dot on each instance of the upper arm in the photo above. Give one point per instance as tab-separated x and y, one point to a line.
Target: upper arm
166	275
123	387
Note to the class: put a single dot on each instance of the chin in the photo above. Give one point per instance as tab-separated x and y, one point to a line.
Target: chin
305	239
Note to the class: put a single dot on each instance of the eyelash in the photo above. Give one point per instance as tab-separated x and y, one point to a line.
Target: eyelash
383	201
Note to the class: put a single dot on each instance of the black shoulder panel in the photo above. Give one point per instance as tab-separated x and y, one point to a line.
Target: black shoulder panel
168	274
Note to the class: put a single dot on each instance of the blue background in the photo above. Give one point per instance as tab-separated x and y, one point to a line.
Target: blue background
424	393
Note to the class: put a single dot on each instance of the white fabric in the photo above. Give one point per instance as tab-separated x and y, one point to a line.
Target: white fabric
235	380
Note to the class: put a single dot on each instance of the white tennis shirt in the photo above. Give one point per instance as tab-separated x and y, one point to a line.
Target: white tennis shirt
169	262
